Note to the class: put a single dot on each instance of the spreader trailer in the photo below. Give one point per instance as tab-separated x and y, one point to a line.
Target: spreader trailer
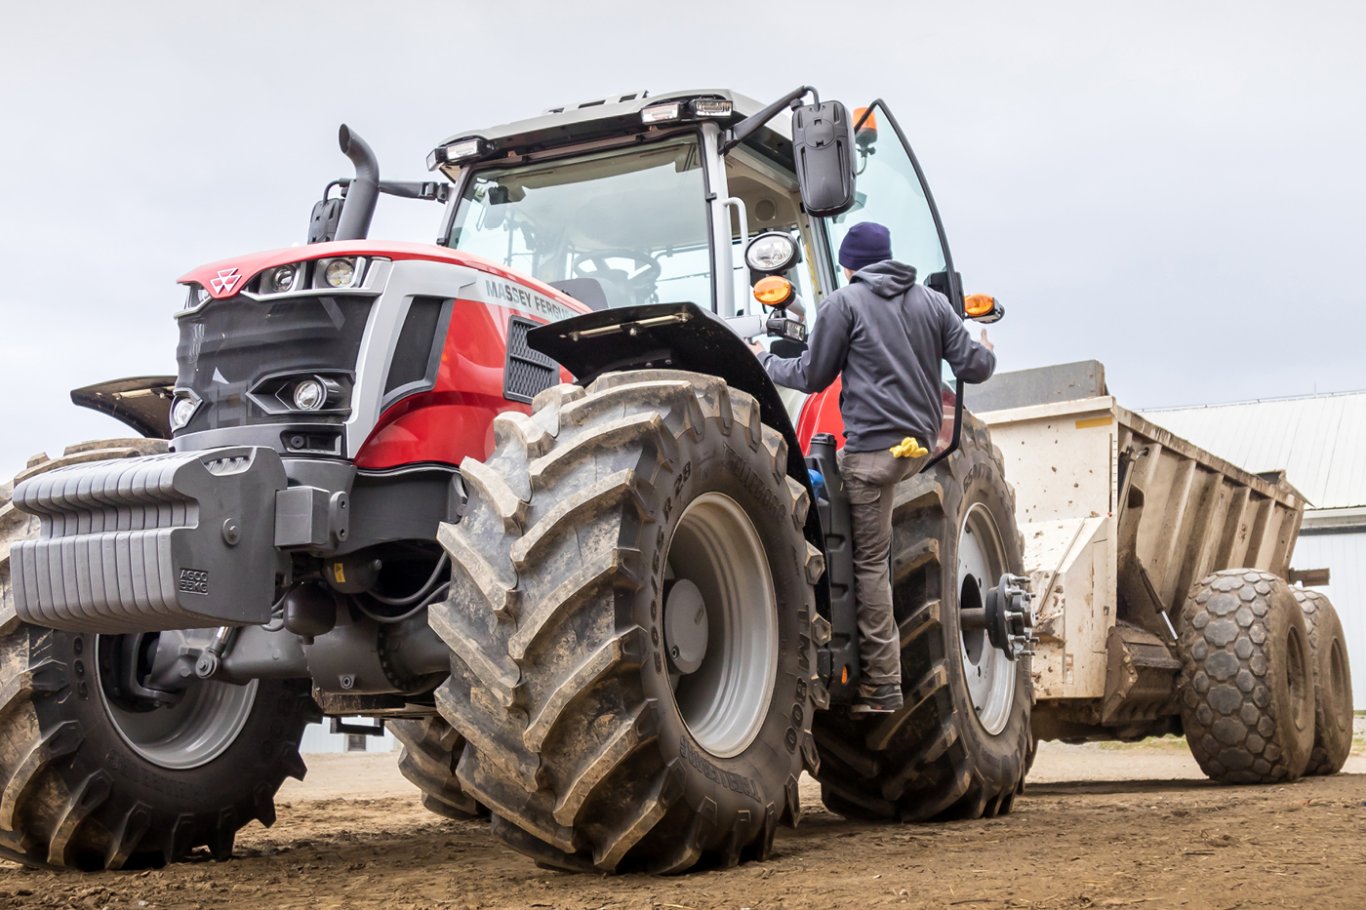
1164	588
525	496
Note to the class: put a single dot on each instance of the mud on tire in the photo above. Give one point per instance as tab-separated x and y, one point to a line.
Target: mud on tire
560	680
933	759
1332	684
431	751
74	792
1246	687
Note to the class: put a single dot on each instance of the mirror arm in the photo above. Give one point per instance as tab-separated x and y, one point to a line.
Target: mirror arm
403	189
750	125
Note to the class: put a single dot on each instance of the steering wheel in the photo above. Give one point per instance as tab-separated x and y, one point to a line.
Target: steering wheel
638	282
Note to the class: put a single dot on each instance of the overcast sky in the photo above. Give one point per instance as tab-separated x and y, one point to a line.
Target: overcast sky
1175	189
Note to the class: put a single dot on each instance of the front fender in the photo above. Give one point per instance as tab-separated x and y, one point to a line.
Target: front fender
674	336
677	336
143	402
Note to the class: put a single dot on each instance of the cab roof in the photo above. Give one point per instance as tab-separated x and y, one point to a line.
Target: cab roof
602	118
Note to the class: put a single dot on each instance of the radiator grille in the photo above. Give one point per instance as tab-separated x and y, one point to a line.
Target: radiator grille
526	372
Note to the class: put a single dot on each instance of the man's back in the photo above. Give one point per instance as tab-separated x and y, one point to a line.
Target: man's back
887	335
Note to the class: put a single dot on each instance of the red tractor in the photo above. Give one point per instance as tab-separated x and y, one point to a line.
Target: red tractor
526	497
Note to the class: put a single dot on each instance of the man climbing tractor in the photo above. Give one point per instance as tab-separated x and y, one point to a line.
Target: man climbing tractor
887	336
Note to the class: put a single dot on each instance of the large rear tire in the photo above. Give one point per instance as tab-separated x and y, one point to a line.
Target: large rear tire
631	617
1246	687
93	782
1332	684
431	751
960	746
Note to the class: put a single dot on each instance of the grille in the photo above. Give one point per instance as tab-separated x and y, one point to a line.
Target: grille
230	346
526	372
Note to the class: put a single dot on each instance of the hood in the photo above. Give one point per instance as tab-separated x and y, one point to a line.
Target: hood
888	278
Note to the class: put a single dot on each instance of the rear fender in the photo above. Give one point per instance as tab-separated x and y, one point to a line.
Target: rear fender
142	402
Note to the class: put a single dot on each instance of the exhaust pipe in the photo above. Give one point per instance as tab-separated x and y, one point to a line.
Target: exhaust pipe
363	192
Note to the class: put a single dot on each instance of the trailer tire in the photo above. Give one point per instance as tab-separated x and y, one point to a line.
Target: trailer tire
431	750
77	791
589	739
935	759
1332	684
1246	687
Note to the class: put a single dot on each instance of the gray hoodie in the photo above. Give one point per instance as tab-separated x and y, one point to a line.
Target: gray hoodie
887	335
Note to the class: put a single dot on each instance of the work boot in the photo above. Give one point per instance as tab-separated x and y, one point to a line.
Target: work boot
884	699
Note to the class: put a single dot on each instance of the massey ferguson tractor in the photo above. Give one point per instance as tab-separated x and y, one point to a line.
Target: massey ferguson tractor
526	497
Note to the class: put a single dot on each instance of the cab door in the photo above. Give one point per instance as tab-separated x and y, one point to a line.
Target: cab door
890	189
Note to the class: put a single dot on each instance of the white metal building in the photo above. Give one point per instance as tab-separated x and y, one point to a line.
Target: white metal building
320	738
1320	442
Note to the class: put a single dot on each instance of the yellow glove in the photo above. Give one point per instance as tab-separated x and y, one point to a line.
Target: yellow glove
909	447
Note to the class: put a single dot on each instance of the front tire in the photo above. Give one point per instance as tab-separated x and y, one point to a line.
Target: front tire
431	751
960	746
631	617
91	782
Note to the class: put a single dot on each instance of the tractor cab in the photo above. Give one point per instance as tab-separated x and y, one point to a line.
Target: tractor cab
707	198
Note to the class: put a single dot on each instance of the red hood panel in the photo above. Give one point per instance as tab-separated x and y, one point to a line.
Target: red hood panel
227	277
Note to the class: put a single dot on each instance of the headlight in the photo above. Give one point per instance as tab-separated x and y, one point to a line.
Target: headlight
309	395
282	279
182	409
771	252
340	273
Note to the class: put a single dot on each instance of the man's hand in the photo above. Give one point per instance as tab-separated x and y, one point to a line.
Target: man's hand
756	347
986	342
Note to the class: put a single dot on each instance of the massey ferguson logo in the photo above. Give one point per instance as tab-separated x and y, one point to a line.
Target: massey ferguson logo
227	280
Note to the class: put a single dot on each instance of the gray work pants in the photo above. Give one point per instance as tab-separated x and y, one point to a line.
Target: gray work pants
870	480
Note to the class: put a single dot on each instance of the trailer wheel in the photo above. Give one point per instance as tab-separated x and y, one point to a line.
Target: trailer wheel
1332	684
1247	692
961	745
431	750
631	617
91	781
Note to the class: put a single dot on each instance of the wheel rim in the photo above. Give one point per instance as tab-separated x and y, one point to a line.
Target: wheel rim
724	701
189	734
1297	680
1337	672
990	674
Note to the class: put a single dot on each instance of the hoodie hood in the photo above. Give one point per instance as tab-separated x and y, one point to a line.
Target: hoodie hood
888	278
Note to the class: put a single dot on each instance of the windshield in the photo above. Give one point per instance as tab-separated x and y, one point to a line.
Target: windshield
634	222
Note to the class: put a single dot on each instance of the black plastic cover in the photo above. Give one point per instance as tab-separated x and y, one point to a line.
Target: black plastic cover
823	153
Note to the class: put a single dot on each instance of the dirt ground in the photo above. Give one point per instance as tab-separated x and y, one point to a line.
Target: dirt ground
1100	827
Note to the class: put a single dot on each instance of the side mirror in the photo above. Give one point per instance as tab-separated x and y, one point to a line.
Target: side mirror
823	150
322	225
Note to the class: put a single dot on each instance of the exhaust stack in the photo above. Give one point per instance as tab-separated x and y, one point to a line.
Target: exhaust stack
363	192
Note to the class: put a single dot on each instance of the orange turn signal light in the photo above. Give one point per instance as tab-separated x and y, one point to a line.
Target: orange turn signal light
975	305
865	120
775	290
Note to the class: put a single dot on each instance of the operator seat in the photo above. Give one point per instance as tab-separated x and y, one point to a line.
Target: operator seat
587	291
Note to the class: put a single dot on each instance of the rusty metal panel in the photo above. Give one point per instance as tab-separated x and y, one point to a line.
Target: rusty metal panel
1187	513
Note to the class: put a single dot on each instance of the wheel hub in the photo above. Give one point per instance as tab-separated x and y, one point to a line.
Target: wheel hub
1005	615
991	619
685	626
720	624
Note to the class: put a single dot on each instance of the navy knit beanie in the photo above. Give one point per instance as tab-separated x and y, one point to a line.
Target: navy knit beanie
866	243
